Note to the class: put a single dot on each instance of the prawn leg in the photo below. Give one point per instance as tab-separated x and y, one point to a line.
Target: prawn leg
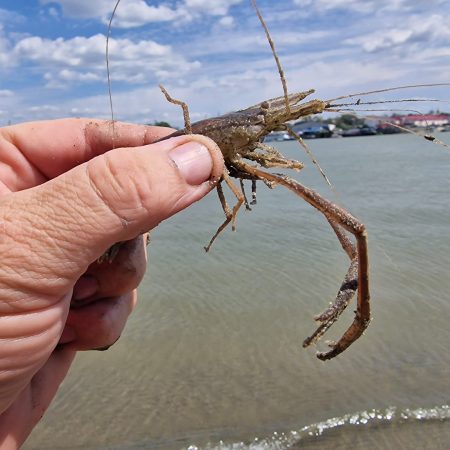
270	157
184	107
230	215
357	275
346	291
246	203
253	202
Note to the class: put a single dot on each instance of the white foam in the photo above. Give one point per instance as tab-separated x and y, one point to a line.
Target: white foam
282	441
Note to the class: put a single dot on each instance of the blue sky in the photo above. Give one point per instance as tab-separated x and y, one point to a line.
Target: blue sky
213	54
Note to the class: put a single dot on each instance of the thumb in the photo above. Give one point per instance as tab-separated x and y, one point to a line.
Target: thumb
54	231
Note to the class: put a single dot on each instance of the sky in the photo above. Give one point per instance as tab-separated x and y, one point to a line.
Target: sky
213	54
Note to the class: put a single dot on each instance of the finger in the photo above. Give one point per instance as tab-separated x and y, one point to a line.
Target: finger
18	421
39	151
98	324
27	340
55	231
111	279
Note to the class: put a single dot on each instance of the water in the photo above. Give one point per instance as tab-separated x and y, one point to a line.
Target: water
212	357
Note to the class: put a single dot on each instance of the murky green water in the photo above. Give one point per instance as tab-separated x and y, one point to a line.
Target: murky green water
212	357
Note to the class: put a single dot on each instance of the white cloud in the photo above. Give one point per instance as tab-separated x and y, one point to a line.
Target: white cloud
7	16
53	12
138	13
251	41
210	7
83	9
6	93
135	13
130	13
5	53
73	52
416	30
82	59
66	76
226	22
363	6
336	57
43	108
377	7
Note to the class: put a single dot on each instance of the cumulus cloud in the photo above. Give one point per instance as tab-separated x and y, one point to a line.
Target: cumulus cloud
10	17
416	30
253	41
53	12
81	59
138	13
367	6
226	22
221	65
132	13
5	52
82	9
135	13
66	76
72	52
364	6
209	7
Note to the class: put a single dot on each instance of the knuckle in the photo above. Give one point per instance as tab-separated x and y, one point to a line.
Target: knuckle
117	184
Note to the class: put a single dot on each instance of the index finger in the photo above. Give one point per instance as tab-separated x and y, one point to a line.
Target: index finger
55	146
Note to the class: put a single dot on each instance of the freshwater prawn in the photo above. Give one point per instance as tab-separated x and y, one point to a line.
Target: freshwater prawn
240	136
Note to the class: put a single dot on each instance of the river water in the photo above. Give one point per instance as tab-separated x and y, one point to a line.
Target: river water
212	357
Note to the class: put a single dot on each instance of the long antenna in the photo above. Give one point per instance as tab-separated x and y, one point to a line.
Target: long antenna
275	55
108	35
397	88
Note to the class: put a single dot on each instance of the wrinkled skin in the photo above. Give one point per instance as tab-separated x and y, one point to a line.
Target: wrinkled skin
65	198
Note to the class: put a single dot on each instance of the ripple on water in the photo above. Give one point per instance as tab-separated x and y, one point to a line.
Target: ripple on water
215	342
390	428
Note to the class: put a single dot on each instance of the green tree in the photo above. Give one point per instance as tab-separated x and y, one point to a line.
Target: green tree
162	123
347	121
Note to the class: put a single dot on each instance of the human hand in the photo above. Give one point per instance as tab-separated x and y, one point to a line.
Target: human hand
64	200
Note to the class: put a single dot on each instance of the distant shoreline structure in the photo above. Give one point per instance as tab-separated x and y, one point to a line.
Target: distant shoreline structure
348	125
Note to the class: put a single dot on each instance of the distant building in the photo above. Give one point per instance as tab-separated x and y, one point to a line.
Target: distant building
420	120
313	129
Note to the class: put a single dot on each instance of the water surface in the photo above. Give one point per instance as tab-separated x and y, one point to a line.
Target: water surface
212	357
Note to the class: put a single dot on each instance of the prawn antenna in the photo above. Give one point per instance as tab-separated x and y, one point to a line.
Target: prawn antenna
396	88
285	90
108	72
275	55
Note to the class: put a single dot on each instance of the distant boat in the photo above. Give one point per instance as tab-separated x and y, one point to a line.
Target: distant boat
277	136
364	131
313	130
